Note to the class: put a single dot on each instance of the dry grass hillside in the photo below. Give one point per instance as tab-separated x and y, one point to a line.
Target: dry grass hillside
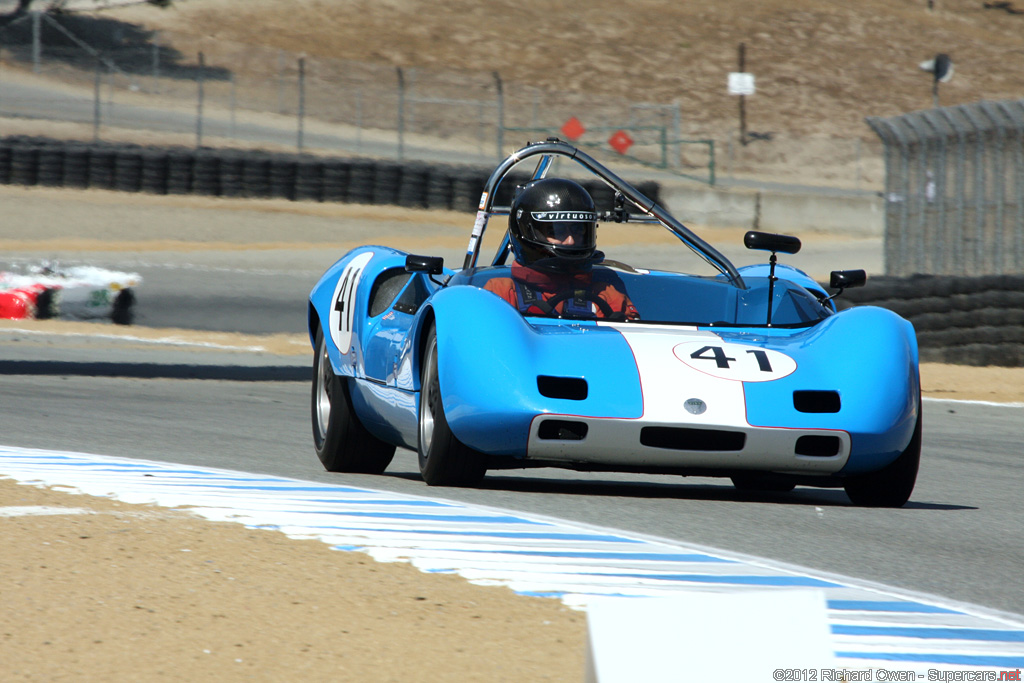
821	65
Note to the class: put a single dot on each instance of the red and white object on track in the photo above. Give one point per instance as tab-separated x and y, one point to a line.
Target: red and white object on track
77	292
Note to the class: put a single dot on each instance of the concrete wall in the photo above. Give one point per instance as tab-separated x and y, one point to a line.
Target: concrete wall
776	211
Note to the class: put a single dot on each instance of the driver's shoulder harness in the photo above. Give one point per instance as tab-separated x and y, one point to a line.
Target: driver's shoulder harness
530	300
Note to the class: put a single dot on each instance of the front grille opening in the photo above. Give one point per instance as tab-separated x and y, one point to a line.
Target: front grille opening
818	446
816	401
687	439
562	430
572	388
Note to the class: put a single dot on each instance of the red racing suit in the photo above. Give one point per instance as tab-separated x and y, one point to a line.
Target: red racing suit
528	289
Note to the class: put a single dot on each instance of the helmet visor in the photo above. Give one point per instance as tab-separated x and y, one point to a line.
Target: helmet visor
568	229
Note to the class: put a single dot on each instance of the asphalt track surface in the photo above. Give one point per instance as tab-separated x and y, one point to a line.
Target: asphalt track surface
959	537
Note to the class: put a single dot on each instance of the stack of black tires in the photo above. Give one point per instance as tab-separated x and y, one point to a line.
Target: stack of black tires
124	167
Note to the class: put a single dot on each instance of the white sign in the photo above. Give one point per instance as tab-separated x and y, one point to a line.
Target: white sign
741	83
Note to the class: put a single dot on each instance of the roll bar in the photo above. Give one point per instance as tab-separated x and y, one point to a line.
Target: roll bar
554	147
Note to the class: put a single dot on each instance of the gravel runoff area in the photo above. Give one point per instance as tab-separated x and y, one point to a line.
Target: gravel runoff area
102	590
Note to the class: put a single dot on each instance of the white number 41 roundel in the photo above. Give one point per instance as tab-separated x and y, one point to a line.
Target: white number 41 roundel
343	308
735	361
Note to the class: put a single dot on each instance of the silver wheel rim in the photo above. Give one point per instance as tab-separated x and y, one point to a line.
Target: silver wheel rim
323	399
427	398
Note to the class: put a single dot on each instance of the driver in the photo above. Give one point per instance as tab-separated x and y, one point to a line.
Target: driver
552	228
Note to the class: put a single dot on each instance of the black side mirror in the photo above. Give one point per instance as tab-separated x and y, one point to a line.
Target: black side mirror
431	265
843	279
766	241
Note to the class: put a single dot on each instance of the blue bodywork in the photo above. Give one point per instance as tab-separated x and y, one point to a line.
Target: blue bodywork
492	359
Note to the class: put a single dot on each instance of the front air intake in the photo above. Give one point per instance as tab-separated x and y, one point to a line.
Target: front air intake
816	401
688	439
562	430
818	446
572	388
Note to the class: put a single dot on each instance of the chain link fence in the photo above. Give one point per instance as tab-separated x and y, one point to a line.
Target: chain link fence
954	189
99	71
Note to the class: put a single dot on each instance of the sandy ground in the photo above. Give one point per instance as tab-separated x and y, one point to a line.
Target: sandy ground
137	593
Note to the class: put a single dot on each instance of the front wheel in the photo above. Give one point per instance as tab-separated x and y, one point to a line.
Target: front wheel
891	486
444	460
340	440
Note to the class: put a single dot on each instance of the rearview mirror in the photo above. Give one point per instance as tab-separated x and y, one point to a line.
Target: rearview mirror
843	279
431	265
766	241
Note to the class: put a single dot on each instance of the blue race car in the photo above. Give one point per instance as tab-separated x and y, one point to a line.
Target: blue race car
749	373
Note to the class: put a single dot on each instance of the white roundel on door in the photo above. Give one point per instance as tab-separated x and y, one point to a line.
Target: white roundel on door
737	362
343	308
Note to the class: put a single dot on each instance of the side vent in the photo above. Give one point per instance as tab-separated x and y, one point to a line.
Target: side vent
818	446
572	388
562	430
816	401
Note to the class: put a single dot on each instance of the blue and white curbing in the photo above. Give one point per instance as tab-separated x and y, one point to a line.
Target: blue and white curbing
870	625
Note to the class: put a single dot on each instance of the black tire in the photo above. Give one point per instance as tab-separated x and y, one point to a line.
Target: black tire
340	440
891	486
762	483
123	311
444	460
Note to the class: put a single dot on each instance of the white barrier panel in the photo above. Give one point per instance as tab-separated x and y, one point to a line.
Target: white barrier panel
706	636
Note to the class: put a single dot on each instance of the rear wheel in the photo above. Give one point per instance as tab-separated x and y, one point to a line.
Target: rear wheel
340	440
892	485
444	460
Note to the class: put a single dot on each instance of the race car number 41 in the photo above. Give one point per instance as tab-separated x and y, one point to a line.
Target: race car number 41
737	362
343	310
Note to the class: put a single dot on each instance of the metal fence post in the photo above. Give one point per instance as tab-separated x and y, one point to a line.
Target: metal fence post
199	98
302	99
940	262
359	119
958	262
980	192
677	135
37	40
401	114
925	195
156	62
96	104
1015	112
500	99
1000	250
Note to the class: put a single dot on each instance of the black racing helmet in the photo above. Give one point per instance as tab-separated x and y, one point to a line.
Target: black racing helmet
553	225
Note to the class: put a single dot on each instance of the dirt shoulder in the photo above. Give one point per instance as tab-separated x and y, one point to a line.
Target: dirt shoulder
124	592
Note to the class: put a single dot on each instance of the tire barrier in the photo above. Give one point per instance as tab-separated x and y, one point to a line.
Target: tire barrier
154	171
960	320
232	178
27	160
179	171
101	168
51	166
309	179
128	170
76	166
